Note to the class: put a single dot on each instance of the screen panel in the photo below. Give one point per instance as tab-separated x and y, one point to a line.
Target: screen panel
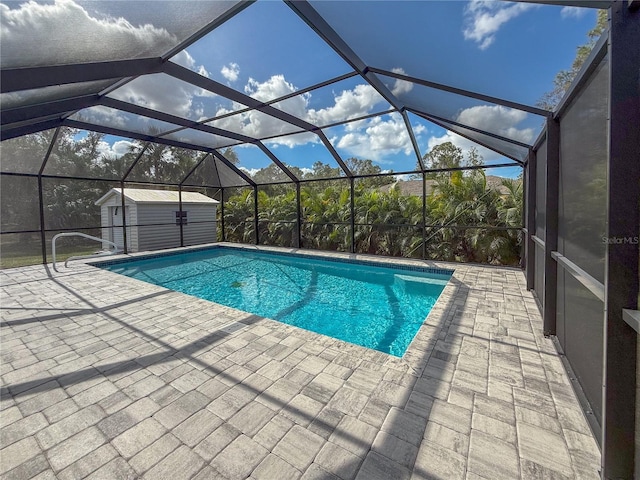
383	140
489	117
19	204
305	155
501	147
166	94
198	138
25	98
326	215
338	102
409	37
254	163
539	279
583	176
278	215
113	118
255	124
20	249
580	318
541	190
164	164
43	33
239	215
266	51
80	153
25	154
205	174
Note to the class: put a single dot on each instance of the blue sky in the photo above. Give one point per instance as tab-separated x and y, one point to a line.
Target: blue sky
508	50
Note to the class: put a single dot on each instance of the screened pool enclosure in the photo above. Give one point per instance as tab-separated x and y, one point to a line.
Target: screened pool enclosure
344	126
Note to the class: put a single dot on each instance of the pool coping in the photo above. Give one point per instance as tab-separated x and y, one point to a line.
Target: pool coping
333	259
450	394
339	259
424	338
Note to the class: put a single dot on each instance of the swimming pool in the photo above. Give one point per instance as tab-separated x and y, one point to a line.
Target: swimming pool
364	303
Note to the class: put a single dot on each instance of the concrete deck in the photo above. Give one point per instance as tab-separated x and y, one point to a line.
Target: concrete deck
104	376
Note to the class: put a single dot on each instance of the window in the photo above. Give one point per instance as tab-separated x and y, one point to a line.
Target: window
181	218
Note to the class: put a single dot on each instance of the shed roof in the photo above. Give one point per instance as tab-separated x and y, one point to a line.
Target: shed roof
140	195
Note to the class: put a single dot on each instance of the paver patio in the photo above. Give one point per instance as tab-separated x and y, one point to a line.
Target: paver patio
104	376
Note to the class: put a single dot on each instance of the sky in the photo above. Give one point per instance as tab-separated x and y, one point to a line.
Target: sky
504	49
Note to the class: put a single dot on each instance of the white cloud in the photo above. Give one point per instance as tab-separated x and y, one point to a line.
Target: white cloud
377	139
64	30
185	59
231	71
102	115
483	19
59	30
117	149
347	105
275	87
293	140
464	144
371	138
159	92
166	94
401	86
497	119
250	171
573	12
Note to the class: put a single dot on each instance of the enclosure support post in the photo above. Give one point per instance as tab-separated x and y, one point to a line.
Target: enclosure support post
298	215
180	217
424	215
621	262
222	234
124	218
530	221
551	231
255	214
353	215
43	237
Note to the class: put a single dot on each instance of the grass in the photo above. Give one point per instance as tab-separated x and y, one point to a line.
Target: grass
20	254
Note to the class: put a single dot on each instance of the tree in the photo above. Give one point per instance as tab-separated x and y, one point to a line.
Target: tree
323	170
270	174
445	155
230	154
564	78
367	167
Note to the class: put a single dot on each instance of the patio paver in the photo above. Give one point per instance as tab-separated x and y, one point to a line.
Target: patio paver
104	376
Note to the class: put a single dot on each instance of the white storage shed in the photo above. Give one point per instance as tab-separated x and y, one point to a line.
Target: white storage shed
154	218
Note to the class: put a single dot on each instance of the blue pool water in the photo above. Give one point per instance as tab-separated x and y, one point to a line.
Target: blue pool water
373	306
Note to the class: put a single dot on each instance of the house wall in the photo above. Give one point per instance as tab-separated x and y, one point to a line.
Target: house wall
105	222
152	226
157	225
198	233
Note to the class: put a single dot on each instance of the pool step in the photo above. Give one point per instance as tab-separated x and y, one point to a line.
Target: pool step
420	282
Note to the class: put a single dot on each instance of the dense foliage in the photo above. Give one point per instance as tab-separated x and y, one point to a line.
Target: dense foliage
458	211
386	220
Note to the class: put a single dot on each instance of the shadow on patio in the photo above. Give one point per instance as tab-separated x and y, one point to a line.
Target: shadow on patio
158	383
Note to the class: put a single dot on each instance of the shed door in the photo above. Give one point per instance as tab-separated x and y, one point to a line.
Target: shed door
116	221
